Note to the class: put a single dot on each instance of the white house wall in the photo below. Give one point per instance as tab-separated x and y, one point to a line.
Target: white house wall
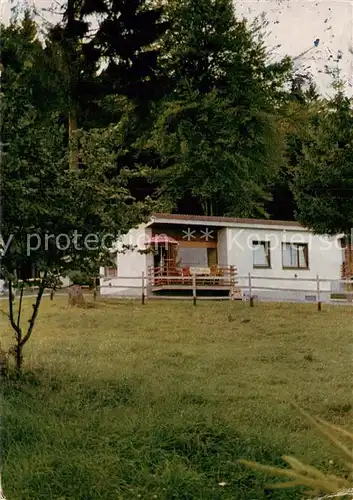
235	249
324	258
222	248
130	265
65	281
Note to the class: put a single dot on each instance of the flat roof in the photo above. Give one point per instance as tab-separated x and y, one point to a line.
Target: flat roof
220	221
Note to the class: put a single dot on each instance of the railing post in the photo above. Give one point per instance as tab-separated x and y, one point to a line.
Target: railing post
318	292
232	274
143	288
250	292
349	289
149	284
194	288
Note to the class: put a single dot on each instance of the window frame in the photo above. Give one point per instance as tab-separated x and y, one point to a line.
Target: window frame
110	275
306	255
267	248
111	268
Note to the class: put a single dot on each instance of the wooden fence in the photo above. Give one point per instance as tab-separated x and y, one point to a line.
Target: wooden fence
249	286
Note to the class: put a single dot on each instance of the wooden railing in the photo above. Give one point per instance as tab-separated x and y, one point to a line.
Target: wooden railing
346	272
172	275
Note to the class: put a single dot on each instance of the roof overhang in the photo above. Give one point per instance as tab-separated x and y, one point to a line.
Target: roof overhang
225	222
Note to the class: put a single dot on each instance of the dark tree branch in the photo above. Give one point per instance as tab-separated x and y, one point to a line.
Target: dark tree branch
35	310
20	307
16	328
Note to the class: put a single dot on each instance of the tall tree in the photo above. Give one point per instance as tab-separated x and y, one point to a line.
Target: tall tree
217	130
102	49
297	113
21	57
53	218
323	182
221	155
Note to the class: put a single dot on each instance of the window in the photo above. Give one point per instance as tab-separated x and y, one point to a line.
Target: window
295	255
261	254
212	257
195	257
111	266
110	272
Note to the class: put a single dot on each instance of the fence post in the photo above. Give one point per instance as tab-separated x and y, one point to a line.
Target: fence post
318	292
250	292
232	274
194	288
95	288
143	287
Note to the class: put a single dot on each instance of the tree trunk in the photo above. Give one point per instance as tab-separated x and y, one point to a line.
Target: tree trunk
211	208
76	296
18	359
17	350
72	54
204	206
73	147
350	272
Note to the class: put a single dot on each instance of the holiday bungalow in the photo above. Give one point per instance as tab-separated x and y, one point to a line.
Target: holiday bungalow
221	252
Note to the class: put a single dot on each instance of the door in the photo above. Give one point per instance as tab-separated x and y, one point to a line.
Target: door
172	256
159	257
212	256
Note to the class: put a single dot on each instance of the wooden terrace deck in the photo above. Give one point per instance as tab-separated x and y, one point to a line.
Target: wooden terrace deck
177	278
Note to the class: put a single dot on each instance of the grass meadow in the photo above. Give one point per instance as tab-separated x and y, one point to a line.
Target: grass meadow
125	401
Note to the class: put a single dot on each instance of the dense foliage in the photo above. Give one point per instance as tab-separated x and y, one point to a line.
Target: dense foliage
323	183
54	218
217	129
175	100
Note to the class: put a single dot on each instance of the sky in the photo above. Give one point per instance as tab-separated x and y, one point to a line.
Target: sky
292	28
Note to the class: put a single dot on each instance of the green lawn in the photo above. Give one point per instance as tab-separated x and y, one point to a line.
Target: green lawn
159	401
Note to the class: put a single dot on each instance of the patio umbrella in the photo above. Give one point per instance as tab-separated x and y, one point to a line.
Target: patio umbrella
161	239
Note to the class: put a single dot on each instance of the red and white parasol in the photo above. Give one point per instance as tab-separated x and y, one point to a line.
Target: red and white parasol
161	239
